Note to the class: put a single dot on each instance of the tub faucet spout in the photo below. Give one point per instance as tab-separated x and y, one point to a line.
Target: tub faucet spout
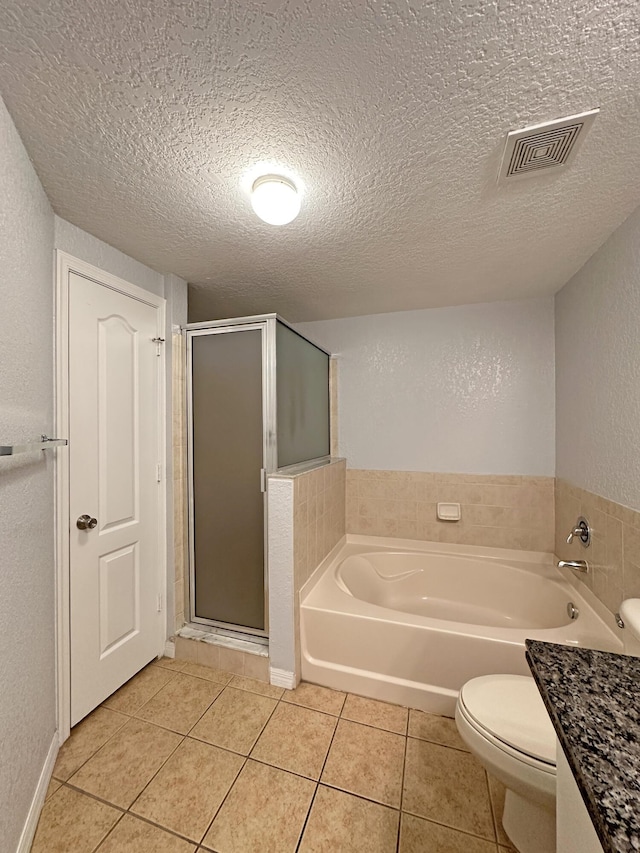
578	565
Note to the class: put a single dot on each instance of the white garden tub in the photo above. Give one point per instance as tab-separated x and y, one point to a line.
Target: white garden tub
410	622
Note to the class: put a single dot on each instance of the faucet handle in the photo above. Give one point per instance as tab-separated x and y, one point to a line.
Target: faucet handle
582	531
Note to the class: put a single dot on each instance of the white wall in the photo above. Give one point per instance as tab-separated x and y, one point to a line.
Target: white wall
81	245
598	370
468	389
27	656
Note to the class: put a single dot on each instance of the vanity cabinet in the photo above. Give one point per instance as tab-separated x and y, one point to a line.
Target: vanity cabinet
574	829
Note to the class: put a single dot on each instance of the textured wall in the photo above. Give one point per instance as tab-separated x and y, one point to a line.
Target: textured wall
467	390
81	245
598	371
27	638
282	605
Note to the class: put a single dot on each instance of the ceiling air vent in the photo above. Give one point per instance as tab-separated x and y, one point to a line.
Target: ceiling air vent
544	146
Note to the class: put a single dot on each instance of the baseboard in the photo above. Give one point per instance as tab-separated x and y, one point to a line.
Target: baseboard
31	823
170	649
283	678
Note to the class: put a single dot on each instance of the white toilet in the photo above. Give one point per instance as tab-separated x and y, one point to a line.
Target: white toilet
504	722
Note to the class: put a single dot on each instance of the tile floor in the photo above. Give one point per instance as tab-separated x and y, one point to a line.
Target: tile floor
184	758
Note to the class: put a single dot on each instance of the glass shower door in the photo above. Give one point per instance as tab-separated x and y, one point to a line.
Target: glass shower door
226	459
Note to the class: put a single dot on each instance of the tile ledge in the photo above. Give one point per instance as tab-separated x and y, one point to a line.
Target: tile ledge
247	646
292	471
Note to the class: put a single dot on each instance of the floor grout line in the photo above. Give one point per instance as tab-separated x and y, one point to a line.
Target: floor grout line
100	843
494	816
162	827
404	770
93	797
245	757
102	746
144	788
315	793
359	796
306	818
217	811
124	812
155	692
438	743
450	826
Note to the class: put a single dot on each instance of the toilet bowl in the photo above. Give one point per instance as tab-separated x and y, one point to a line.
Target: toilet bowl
503	721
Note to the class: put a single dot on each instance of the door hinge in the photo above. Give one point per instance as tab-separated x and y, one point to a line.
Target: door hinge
159	472
159	602
263	480
158	342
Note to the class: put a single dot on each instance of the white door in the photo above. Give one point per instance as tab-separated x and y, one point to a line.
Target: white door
114	491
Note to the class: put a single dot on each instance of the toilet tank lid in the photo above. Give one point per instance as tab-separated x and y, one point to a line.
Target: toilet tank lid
510	708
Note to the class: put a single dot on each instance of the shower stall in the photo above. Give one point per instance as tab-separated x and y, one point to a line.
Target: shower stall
257	401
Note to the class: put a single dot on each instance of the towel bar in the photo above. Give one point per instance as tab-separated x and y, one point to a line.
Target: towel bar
44	444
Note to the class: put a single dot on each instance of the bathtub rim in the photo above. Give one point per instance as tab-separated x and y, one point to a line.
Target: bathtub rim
534	558
429	694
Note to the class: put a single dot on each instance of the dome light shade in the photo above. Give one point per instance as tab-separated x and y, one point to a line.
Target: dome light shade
275	199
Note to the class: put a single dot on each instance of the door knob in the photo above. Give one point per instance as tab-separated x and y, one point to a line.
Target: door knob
85	522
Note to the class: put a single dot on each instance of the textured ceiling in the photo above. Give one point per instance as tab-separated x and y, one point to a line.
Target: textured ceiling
146	118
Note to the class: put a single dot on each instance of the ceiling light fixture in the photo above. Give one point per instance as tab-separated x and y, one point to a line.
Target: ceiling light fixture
275	199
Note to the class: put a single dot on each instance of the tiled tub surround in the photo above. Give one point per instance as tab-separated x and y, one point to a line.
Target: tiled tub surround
614	552
318	516
180	759
497	511
411	622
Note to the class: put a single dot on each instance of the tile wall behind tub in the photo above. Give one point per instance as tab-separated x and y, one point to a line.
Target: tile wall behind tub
614	552
179	476
319	523
497	511
318	516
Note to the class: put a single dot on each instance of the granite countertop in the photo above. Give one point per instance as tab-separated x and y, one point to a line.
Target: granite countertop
593	699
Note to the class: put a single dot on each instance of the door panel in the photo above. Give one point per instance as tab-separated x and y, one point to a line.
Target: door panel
119	598
113	456
227	453
117	421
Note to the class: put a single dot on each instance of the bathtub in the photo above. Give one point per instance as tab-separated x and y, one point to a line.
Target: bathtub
410	622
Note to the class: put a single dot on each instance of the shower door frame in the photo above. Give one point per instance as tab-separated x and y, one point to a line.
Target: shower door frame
269	460
268	323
